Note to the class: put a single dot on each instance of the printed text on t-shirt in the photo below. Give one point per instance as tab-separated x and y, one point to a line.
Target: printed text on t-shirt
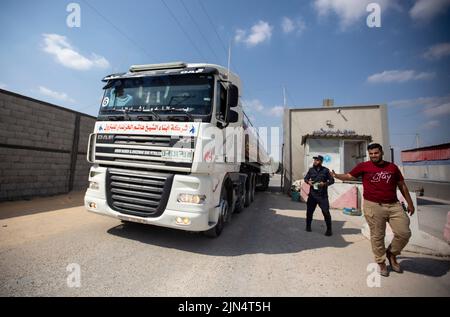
378	177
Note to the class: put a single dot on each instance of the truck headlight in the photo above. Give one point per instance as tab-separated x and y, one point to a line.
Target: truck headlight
183	221
93	185
191	199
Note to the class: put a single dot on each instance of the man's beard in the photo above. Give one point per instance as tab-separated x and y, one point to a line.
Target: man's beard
378	160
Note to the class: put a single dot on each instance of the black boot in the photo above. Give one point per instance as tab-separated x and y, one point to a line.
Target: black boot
329	232
308	227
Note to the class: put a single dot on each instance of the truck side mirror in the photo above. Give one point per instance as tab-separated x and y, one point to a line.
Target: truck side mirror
233	116
232	96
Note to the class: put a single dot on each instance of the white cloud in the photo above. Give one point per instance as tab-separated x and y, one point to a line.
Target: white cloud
432	106
239	36
66	55
399	76
425	10
253	105
433	124
288	25
259	33
277	111
422	101
441	110
349	11
437	51
60	96
3	86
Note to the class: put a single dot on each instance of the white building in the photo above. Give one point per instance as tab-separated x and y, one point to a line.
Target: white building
339	133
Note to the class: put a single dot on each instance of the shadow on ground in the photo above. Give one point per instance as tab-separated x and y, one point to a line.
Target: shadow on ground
426	202
10	209
264	227
425	266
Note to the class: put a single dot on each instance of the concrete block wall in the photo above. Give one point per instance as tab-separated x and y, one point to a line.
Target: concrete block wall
37	148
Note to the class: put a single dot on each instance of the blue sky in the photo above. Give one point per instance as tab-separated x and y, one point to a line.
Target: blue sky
316	49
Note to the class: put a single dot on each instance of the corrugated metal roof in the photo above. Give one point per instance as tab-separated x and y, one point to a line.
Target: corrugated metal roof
426	154
431	147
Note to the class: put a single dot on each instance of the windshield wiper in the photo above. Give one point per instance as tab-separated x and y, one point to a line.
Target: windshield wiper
143	110
126	112
182	97
177	111
111	117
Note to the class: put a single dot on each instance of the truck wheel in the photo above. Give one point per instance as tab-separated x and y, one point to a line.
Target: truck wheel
248	191
241	203
215	231
265	182
253	187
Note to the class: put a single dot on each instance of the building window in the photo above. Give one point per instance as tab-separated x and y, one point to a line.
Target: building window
328	148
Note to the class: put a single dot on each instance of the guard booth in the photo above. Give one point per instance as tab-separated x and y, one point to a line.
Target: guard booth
339	133
341	150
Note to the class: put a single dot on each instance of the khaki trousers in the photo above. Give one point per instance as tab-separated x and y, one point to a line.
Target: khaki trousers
376	216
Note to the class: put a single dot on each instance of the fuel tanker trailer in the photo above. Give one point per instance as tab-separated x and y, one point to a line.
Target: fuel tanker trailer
173	147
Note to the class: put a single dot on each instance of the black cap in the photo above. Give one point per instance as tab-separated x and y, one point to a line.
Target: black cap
318	157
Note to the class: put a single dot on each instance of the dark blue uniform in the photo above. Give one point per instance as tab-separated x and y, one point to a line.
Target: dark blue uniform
320	196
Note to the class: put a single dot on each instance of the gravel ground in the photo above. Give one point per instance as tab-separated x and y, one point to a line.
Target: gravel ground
264	251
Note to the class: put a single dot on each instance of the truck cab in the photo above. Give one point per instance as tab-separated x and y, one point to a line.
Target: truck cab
160	148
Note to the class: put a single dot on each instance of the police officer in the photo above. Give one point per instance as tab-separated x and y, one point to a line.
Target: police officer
319	178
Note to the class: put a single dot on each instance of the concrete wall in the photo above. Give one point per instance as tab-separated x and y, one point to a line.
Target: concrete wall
427	171
39	154
439	190
364	120
286	151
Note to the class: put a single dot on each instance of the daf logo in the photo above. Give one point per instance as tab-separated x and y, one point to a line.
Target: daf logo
106	137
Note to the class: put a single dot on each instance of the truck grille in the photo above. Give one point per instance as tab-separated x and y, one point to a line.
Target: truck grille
145	151
142	140
138	193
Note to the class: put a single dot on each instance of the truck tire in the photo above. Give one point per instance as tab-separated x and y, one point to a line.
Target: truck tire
248	190
265	182
253	187
240	203
215	231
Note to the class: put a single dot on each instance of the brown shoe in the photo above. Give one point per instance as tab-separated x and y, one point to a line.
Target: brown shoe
393	262
383	269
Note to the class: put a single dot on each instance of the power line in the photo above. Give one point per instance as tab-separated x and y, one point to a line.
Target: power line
118	29
213	27
184	31
199	30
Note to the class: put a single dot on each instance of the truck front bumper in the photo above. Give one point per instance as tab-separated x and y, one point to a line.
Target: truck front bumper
183	216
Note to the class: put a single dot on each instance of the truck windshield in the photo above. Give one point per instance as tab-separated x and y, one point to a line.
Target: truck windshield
185	96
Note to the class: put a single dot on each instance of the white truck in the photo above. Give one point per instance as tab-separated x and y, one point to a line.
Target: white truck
172	147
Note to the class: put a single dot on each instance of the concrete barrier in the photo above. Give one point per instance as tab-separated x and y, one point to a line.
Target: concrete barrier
304	191
340	195
447	229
